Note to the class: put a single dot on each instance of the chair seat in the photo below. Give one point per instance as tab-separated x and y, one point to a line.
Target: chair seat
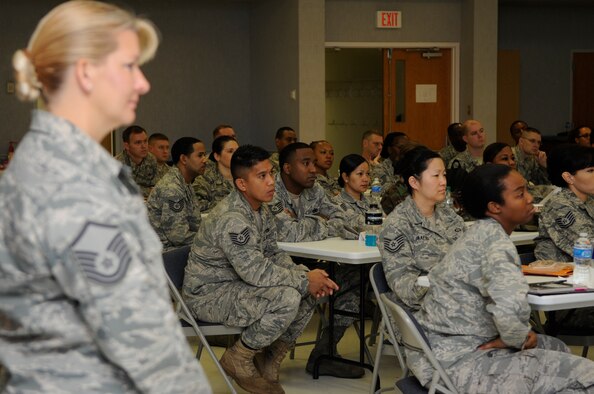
410	385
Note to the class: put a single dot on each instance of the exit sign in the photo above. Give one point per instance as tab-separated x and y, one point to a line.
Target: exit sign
389	19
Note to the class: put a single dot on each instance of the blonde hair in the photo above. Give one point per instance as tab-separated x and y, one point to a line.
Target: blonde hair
71	31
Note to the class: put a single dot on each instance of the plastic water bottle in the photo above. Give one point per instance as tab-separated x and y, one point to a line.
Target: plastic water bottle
373	224
376	192
449	201
582	255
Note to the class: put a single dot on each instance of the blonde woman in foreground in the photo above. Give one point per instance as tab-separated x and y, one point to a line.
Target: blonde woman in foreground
84	305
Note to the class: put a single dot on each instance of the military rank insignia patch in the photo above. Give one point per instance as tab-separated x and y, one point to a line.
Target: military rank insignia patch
566	221
241	238
394	245
277	207
102	253
176	206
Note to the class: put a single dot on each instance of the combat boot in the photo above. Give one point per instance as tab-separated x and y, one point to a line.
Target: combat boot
268	362
238	363
332	367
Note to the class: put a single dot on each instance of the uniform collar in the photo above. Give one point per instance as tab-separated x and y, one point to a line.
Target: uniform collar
74	144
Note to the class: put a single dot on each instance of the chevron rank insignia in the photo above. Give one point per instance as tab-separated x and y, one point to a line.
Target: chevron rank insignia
102	253
277	207
394	245
566	221
241	238
176	206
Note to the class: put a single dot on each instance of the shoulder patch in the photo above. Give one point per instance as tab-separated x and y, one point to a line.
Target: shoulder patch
176	206
241	238
456	164
276	207
566	221
102	253
394	245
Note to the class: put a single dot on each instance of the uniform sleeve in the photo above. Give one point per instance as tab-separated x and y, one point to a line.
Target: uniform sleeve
240	244
177	224
340	224
290	229
203	191
400	266
506	290
116	280
563	224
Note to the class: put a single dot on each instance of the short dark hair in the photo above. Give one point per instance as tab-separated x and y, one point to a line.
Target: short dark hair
389	141
281	131
483	185
245	157
157	137
492	150
287	153
454	129
348	164
219	127
531	130
568	158
218	144
134	129
183	146
513	125
371	132
575	133
414	162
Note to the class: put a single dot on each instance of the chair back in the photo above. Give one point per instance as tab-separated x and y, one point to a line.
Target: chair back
175	264
380	288
527	258
413	337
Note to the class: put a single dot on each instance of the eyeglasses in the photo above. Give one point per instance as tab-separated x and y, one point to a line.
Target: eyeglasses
584	136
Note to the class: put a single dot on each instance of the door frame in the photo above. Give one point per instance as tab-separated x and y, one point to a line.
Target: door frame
455	69
571	53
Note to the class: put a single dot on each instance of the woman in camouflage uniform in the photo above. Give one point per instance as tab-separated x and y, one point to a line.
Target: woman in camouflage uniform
217	182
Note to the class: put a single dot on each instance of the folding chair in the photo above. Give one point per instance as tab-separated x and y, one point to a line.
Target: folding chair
385	329
175	264
413	338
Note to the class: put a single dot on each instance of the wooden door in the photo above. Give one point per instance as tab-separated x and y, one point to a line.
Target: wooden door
583	89
417	94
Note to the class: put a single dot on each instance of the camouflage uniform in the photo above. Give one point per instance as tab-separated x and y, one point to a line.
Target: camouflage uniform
210	189
172	211
316	218
274	162
329	184
384	171
162	169
352	207
478	293
310	225
448	153
84	305
394	195
561	220
528	166
144	174
411	245
465	161
237	275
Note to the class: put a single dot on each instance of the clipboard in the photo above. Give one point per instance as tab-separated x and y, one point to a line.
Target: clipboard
559	287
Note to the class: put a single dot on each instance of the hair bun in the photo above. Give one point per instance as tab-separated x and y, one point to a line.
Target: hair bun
27	85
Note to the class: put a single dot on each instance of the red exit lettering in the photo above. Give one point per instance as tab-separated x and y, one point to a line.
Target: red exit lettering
388	19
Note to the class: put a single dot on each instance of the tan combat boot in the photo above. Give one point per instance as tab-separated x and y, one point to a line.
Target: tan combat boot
269	361
238	363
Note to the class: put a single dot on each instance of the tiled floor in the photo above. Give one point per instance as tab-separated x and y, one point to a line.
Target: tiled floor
296	381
